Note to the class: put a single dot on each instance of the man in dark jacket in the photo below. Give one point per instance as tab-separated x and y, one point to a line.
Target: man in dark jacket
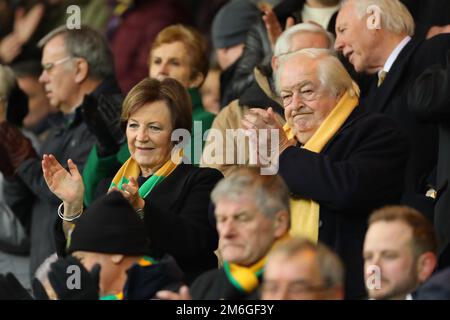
252	214
76	64
429	99
382	43
349	162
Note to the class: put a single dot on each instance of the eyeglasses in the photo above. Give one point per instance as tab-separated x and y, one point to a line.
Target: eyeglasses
49	66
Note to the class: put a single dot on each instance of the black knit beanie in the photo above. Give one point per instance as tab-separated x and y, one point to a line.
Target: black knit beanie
110	225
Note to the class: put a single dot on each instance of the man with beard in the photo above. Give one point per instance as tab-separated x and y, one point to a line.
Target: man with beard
399	253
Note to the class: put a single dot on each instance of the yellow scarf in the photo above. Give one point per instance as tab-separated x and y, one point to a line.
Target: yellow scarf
305	212
246	279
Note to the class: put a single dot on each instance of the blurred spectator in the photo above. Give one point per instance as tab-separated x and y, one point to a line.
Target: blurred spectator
302	270
263	35
110	246
399	253
40	112
252	214
210	90
229	32
131	31
77	66
429	100
435	288
14	221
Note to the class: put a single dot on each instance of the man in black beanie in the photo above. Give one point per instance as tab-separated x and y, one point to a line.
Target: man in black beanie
110	241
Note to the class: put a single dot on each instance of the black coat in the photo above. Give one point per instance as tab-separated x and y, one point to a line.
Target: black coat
67	139
429	99
360	169
176	216
215	285
391	99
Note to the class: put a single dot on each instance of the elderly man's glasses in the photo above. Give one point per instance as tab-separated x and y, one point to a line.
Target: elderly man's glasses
49	66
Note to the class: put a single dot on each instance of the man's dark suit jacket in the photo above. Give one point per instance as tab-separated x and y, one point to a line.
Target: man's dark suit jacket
430	100
360	169
391	99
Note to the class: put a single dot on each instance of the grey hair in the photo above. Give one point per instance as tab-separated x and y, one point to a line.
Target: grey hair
395	16
269	192
283	44
331	73
330	265
7	81
88	44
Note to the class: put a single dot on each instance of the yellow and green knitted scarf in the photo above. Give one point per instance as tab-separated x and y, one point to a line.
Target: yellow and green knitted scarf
131	169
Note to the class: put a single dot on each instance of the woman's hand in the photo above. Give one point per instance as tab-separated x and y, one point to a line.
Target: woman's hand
131	193
66	185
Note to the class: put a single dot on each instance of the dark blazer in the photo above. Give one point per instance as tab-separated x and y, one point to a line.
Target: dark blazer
391	99
429	99
360	169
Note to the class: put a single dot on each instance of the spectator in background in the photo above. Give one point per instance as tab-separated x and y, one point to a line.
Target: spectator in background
14	221
429	100
302	270
77	66
40	112
131	32
399	252
263	35
229	33
210	90
252	214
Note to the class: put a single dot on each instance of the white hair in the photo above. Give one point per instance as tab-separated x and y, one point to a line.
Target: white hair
283	44
331	73
395	17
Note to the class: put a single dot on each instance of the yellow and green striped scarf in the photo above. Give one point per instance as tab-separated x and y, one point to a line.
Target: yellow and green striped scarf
246	279
131	169
305	212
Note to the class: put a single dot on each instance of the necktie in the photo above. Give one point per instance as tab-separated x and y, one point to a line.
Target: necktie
381	77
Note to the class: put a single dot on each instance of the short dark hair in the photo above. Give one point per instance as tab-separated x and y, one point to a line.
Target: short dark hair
424	236
169	90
